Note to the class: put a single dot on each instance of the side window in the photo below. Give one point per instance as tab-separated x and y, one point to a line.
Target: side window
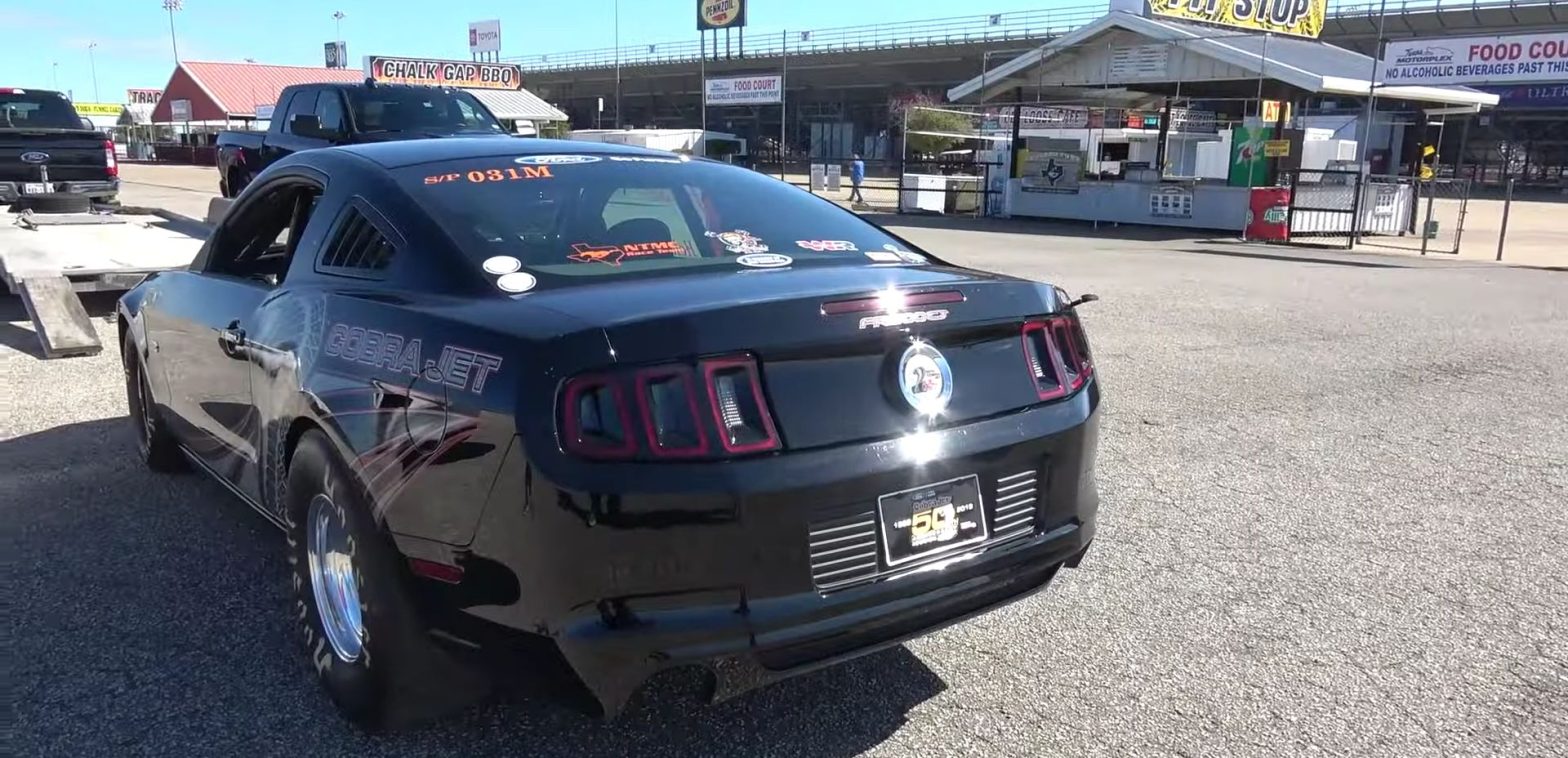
301	102
646	214
260	240
356	248
329	107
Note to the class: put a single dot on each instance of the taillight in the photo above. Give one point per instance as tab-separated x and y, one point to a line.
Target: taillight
597	424
1056	354
679	409
672	421
745	426
108	157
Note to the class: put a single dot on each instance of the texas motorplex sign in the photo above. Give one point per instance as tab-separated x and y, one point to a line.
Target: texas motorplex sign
1298	18
435	73
1509	59
746	90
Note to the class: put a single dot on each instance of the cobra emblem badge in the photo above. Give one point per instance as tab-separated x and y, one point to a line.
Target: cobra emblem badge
925	379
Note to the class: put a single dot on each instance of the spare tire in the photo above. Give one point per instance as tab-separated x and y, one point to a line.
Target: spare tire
55	204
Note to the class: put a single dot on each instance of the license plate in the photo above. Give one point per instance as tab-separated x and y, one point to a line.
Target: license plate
931	519
36	188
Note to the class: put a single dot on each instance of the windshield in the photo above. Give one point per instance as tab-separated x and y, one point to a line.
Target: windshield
584	216
37	110
406	109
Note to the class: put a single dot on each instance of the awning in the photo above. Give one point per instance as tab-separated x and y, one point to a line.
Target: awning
1308	65
517	105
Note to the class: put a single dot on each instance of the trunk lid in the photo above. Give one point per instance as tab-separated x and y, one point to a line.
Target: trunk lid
828	347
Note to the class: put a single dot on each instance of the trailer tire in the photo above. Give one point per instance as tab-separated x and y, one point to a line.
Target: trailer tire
55	204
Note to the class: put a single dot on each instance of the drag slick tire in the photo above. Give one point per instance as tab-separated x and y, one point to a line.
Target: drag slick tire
352	605
155	445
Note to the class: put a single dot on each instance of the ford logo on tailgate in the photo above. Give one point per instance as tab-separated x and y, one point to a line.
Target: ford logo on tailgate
35	156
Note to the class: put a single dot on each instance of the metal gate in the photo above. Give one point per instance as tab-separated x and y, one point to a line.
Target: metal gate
1405	213
1322	207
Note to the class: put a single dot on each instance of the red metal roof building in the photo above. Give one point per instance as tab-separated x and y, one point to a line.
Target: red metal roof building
224	91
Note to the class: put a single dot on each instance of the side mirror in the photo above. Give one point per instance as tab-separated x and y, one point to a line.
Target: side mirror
1088	297
87	123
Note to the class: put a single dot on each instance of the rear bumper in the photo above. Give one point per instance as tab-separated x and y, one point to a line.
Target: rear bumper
720	570
106	189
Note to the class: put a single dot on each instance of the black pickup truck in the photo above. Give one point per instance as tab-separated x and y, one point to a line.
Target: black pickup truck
49	156
324	115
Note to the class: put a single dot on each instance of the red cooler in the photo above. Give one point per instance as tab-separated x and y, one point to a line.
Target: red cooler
1267	211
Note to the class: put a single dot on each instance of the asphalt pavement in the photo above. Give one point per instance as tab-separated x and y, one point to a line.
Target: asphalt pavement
1335	504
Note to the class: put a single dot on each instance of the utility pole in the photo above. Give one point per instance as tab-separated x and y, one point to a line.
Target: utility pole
171	6
93	61
54	71
617	64
1364	170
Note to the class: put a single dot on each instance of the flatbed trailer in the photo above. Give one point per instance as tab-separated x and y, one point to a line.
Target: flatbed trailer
46	259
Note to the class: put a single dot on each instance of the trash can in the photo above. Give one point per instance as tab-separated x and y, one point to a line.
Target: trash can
1268	210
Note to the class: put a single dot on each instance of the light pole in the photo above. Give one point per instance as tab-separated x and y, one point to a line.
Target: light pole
54	71
337	26
171	6
617	64
1377	55
93	61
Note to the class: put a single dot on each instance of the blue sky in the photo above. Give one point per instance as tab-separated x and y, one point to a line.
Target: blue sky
133	47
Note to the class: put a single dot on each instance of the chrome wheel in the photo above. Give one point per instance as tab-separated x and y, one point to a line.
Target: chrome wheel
333	580
143	405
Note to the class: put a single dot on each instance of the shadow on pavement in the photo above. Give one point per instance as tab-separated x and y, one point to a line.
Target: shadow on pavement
150	617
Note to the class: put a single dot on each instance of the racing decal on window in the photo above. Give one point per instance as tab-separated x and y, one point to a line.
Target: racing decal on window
906	256
482	176
647	159
554	160
764	260
739	241
883	256
457	367
501	265
517	281
614	254
827	246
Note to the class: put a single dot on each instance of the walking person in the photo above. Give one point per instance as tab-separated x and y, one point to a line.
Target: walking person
857	174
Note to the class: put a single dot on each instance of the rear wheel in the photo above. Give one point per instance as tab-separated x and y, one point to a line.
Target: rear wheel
356	616
155	445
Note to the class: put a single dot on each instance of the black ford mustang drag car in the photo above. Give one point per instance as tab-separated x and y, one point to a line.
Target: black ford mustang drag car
633	410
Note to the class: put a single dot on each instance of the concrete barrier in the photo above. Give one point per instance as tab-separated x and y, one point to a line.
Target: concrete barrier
217	208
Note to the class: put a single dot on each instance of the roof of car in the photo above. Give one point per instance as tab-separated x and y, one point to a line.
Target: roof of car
413	152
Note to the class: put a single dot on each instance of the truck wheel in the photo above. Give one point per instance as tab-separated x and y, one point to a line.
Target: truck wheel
355	614
155	445
234	183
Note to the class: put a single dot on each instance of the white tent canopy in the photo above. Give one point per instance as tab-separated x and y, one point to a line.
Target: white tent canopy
1199	54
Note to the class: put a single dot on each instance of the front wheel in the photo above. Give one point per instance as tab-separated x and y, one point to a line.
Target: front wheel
155	445
355	614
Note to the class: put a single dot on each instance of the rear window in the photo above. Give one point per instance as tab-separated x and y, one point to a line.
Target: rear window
37	110
578	217
413	109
